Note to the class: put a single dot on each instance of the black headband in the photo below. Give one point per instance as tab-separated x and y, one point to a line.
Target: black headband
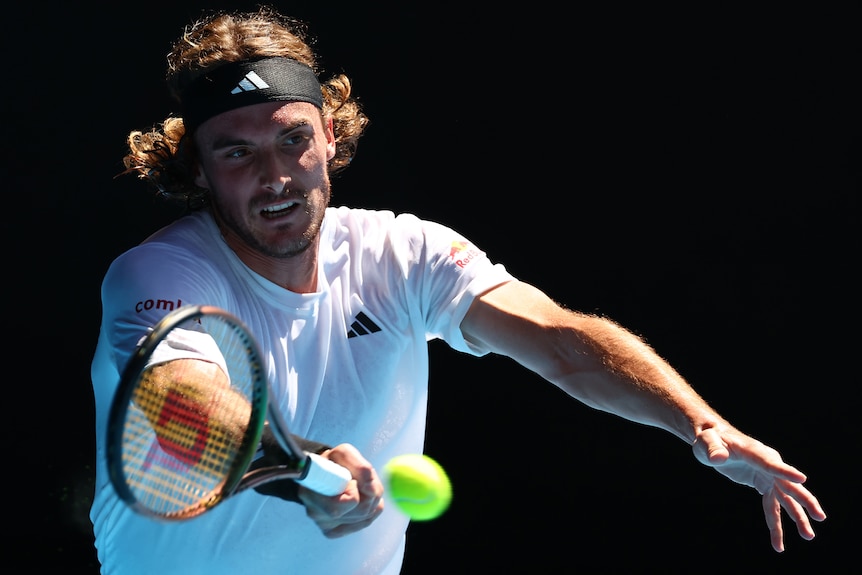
237	84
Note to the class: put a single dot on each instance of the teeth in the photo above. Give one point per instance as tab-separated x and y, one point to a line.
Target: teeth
279	207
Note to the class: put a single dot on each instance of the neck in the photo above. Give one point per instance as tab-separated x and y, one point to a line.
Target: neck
297	273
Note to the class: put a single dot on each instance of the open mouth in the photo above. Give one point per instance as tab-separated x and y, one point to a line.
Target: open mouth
278	210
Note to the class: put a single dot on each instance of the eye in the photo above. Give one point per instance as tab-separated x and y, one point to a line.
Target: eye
295	139
298	137
237	153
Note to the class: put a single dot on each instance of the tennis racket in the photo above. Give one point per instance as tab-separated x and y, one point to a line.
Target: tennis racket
191	416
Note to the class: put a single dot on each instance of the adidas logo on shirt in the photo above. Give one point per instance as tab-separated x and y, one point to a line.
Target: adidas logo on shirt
362	326
250	83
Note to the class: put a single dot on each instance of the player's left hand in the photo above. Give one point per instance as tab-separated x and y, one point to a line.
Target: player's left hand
354	509
746	460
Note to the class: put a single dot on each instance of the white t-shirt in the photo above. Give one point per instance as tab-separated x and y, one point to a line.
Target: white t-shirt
349	364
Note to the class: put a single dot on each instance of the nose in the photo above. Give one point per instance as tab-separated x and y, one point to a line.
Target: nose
273	172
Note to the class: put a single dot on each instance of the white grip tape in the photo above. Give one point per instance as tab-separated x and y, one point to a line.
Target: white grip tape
324	476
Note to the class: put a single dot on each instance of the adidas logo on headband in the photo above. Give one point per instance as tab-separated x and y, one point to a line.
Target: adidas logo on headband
251	82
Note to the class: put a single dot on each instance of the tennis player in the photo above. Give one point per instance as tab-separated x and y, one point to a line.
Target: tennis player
344	302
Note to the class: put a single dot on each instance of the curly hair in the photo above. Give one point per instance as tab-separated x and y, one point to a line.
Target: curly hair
164	155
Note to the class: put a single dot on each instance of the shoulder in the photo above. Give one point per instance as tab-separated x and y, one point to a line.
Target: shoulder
184	248
359	218
191	234
384	225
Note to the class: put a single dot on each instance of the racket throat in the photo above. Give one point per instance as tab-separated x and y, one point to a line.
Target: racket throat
269	454
272	471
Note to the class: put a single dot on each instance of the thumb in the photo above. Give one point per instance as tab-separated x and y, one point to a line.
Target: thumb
709	448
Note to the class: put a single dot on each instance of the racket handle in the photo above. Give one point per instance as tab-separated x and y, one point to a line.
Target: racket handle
324	476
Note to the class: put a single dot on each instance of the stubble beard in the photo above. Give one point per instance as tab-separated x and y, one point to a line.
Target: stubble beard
284	249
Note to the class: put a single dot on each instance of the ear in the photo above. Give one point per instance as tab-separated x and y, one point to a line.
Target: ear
200	177
330	138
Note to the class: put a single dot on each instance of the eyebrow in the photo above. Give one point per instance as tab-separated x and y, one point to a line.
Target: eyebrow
227	141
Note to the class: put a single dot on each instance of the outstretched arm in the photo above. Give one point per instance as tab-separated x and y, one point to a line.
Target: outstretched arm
607	367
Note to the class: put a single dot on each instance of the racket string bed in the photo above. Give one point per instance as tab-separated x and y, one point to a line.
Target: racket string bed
176	459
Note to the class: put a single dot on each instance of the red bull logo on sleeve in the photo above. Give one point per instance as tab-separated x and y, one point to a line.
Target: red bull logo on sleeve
462	253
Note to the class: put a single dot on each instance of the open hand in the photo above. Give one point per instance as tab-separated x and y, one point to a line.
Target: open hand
746	460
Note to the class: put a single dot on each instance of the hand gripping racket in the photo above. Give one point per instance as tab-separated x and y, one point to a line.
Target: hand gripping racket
192	414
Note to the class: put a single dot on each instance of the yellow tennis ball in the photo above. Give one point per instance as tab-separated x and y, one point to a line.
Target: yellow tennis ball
418	485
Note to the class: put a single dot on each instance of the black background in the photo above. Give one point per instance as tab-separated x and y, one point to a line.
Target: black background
692	172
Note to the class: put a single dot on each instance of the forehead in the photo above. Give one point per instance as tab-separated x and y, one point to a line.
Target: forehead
256	117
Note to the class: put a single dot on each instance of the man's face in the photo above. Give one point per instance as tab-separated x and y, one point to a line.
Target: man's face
266	168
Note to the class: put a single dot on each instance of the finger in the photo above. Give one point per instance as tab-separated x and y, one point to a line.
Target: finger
363	472
342	529
323	508
763	457
772	513
369	484
797	514
370	488
801	506
804	497
343	514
